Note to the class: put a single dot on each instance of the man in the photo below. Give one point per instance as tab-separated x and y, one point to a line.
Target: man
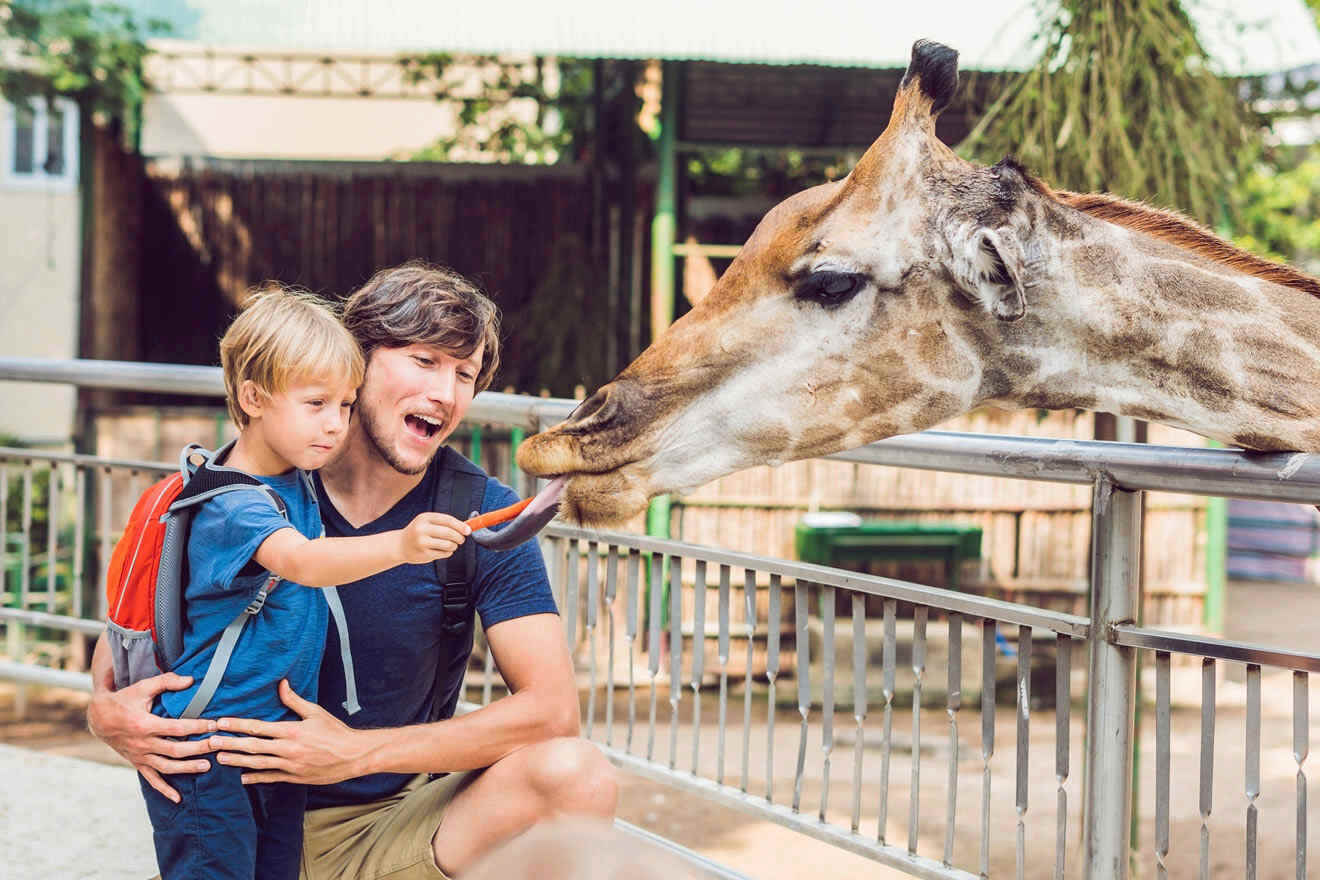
431	343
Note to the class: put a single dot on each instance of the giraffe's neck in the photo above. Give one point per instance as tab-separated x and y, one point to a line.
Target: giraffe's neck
1133	325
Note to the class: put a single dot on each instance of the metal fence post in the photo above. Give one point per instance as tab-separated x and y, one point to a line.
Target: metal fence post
1111	690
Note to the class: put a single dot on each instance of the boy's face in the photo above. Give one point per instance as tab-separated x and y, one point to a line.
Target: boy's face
412	399
306	423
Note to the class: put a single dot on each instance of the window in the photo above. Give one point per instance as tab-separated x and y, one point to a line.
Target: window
42	140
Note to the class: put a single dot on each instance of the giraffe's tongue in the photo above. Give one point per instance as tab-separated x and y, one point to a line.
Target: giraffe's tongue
534	517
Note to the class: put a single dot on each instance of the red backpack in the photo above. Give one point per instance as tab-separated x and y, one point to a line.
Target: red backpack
148	571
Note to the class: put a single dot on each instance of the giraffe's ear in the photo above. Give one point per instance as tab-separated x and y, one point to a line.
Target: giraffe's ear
988	267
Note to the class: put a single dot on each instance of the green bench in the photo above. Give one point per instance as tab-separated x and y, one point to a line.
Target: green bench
846	546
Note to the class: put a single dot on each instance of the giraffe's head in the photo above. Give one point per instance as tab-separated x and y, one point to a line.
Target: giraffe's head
857	310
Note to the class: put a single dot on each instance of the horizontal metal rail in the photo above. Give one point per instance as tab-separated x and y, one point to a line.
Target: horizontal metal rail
1137	466
489	406
872	585
1219	649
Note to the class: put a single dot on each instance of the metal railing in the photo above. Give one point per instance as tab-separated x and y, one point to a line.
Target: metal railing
661	683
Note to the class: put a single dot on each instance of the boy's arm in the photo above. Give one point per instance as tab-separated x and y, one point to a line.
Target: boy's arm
123	721
320	749
329	562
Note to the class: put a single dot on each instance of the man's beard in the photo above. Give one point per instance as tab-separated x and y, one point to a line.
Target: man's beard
390	456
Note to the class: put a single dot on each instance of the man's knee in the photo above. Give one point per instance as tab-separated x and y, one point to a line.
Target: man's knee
573	776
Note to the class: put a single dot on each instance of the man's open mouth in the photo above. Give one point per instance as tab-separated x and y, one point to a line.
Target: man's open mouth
423	426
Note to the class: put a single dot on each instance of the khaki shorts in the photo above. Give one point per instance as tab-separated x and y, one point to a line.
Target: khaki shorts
389	838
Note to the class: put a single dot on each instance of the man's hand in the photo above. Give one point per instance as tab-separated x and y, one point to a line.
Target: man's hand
123	721
431	536
318	750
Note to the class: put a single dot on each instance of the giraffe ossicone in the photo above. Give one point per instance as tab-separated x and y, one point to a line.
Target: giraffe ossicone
923	285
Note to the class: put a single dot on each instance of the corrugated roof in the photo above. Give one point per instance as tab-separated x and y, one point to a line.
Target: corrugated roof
1258	37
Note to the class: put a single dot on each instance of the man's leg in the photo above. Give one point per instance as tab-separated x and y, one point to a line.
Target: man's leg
566	776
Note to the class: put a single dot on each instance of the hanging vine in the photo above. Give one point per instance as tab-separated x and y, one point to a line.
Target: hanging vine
1125	99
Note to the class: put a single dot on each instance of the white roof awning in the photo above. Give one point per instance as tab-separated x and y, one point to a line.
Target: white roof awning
1263	36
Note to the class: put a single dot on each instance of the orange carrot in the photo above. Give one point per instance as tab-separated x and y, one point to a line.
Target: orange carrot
495	517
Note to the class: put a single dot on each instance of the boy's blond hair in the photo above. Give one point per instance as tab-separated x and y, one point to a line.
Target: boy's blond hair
283	336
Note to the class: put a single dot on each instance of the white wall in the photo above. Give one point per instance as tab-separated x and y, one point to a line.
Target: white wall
39	272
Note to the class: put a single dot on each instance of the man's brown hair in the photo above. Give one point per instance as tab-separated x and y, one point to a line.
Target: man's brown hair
433	305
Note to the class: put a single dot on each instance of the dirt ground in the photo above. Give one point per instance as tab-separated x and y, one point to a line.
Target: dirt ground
54	724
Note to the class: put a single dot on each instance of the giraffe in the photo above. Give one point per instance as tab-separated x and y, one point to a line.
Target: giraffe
923	285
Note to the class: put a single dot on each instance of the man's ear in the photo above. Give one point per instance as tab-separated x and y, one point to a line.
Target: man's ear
989	268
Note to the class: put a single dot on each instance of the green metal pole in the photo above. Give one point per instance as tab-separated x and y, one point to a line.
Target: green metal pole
476	445
515	473
663	227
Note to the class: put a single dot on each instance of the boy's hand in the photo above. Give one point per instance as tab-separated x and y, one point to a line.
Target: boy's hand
431	536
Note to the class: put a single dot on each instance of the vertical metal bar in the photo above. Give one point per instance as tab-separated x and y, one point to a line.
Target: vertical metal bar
772	624
653	644
1252	764
593	601
611	590
634	588
920	614
698	657
988	630
675	653
827	694
1023	742
103	496
749	601
887	692
803	650
724	671
52	529
487	675
1301	748
1062	747
571	596
952	703
79	537
1162	757
1207	785
25	571
859	702
1111	695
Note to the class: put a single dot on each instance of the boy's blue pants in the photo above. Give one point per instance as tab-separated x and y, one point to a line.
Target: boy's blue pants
224	829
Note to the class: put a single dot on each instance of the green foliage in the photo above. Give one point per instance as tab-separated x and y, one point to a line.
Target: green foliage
773	173
508	111
1279	209
88	51
1124	99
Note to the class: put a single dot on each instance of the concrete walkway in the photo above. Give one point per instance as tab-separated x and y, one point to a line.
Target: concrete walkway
70	818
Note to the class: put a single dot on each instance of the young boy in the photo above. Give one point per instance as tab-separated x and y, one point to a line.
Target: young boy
291	371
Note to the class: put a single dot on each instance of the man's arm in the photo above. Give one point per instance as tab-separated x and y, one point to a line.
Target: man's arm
320	749
123	721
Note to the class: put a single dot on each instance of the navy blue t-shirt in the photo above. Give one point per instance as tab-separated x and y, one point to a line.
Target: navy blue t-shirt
394	628
284	640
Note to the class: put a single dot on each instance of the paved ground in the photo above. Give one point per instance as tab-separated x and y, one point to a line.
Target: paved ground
67	811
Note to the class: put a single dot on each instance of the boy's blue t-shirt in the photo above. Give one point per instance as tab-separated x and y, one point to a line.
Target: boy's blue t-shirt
394	627
284	640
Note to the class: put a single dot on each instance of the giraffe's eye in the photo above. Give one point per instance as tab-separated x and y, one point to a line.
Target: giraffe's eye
829	288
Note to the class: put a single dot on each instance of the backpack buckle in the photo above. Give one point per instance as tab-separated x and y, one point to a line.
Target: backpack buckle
455	607
260	599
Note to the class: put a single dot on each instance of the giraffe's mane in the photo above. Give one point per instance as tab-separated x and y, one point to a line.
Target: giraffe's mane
1185	233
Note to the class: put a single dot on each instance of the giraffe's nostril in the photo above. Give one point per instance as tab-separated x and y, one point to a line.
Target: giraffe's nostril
589	407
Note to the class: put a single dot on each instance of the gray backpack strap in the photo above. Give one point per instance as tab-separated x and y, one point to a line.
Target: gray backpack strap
224	650
351	704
